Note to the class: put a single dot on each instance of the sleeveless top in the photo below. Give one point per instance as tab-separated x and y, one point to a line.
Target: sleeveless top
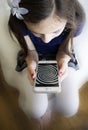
46	49
50	47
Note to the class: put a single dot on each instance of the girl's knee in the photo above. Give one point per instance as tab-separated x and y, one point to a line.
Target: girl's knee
69	109
68	106
36	107
38	111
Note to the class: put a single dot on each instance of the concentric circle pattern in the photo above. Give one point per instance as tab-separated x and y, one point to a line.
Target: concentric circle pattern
47	74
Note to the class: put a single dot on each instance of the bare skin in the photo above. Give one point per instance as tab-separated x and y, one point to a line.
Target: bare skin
47	30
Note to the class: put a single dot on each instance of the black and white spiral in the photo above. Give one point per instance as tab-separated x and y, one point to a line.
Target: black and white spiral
47	74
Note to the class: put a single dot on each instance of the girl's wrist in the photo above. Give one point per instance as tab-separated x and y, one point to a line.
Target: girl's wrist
64	57
32	54
67	58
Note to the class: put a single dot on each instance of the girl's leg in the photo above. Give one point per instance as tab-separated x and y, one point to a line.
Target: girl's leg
67	102
33	104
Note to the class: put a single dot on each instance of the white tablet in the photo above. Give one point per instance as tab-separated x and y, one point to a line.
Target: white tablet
47	79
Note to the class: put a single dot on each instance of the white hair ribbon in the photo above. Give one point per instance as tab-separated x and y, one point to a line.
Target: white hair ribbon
16	10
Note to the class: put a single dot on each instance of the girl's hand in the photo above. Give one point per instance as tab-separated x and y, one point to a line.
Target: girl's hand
63	66
32	69
63	69
32	60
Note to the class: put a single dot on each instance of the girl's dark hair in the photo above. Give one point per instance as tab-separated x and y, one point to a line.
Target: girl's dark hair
41	9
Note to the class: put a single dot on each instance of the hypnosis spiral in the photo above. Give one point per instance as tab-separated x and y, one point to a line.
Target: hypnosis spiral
47	74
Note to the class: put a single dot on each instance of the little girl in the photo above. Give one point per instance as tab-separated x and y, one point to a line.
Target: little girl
46	28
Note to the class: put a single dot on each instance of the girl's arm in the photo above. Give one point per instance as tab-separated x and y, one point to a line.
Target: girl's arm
32	57
32	53
63	59
29	43
62	55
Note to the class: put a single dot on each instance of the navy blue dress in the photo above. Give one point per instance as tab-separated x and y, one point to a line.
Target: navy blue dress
52	46
48	49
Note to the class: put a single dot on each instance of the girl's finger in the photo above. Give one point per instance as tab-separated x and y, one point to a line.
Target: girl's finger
32	69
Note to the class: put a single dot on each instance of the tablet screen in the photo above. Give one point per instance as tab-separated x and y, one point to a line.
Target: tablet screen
47	75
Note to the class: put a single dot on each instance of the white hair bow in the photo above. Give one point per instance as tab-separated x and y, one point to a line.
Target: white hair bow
16	10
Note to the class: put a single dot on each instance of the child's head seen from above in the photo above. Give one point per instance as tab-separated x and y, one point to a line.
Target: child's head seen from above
47	18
